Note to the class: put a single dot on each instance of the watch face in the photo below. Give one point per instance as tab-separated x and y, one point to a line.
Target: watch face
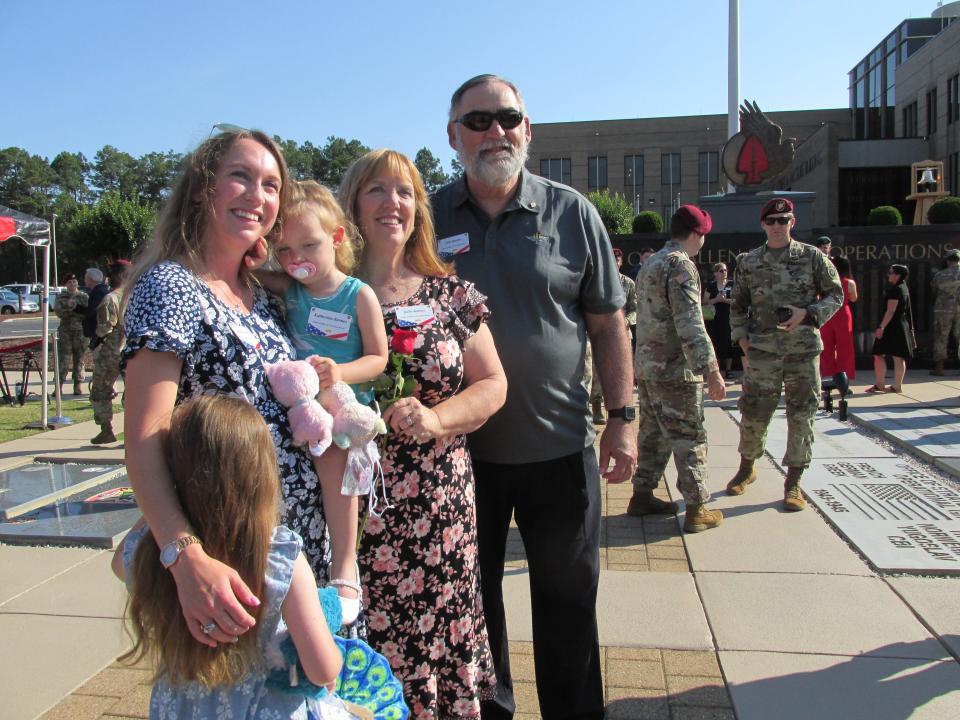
168	554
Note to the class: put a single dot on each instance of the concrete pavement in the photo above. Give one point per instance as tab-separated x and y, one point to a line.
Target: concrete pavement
772	615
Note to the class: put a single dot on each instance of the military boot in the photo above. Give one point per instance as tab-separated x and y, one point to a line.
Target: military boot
644	502
599	416
106	435
937	368
745	475
698	518
792	497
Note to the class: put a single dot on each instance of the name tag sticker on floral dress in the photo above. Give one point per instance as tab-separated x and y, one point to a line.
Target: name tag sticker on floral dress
414	315
454	245
328	324
244	334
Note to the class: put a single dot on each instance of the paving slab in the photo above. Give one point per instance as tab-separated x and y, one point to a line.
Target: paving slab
928	432
790	686
655	609
89	589
22	568
49	656
895	512
832	439
826	614
937	602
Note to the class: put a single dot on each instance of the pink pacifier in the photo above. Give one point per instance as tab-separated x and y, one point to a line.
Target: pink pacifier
301	271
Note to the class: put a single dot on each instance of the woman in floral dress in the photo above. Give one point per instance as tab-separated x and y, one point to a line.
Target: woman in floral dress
418	558
196	323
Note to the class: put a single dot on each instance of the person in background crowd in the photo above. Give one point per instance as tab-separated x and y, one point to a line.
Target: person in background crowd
717	295
895	334
106	354
837	333
71	345
782	292
97	289
673	357
946	309
539	251
824	245
630	290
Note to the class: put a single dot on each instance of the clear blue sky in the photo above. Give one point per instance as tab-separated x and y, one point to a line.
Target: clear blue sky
154	76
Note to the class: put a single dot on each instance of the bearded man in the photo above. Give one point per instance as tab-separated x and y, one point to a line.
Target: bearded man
539	251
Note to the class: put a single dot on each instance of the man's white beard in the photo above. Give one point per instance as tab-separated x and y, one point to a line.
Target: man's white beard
498	172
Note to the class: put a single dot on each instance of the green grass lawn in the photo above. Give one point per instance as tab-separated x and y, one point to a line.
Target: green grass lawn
14	417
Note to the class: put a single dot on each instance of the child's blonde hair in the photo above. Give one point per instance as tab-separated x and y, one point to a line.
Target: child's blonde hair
223	463
309	196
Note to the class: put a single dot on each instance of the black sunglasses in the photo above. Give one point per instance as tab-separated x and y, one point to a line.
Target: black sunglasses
481	120
777	221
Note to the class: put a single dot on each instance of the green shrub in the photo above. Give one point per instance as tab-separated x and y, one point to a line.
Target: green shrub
649	221
613	209
945	210
884	215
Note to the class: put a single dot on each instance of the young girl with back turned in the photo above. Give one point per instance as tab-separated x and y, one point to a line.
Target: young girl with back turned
337	319
223	463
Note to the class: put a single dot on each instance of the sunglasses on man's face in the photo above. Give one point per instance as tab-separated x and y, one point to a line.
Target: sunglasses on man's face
481	120
777	220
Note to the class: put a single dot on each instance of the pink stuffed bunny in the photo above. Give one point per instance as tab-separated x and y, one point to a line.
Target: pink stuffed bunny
295	385
354	428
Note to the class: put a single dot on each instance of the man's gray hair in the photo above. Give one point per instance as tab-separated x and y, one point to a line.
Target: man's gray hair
481	80
95	275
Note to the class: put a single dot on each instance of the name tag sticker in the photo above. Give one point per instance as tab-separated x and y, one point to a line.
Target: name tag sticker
244	334
328	324
454	245
414	315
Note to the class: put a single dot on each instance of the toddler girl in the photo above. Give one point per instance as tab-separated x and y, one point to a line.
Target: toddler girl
336	319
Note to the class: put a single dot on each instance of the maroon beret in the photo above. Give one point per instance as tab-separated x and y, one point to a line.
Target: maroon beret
694	219
67	278
617	253
776	206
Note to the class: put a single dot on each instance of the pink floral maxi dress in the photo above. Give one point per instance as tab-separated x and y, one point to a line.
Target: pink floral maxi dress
419	559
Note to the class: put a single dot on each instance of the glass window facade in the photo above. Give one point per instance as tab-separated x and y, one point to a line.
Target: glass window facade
596	173
709	172
556	169
633	181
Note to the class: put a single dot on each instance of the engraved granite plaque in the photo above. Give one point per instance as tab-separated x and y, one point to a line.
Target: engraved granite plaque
929	432
36	484
897	514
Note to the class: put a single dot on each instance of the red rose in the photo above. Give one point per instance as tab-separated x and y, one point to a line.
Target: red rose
403	341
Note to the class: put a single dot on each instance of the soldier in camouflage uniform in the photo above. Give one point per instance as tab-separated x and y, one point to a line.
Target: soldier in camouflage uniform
106	355
782	292
946	309
71	345
673	355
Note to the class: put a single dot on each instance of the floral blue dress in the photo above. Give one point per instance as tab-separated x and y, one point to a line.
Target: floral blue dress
224	350
252	698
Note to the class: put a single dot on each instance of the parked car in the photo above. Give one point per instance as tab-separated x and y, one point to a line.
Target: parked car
10	303
29	291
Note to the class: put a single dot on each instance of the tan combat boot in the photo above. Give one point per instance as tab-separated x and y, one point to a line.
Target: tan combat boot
599	416
745	475
792	497
698	519
644	502
937	368
106	435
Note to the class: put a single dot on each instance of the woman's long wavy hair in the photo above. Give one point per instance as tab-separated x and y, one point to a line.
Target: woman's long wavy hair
420	250
184	218
223	463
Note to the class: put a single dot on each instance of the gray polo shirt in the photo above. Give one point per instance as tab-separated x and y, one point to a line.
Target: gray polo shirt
543	262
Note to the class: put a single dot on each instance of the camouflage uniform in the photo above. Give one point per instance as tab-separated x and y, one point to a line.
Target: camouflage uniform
591	377
765	279
673	354
946	309
106	357
70	340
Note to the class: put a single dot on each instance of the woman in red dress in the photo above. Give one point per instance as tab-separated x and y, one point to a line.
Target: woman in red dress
837	332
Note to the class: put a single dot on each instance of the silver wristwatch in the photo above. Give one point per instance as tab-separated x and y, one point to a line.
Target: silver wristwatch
171	551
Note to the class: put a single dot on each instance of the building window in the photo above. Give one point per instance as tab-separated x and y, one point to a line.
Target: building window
932	112
670	169
709	175
910	120
633	181
556	169
953	171
596	173
953	99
